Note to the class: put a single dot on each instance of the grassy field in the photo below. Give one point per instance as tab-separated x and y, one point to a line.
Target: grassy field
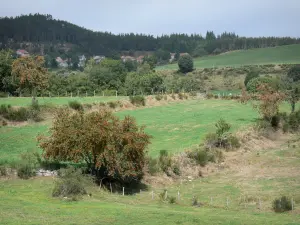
26	101
173	127
30	201
289	54
244	178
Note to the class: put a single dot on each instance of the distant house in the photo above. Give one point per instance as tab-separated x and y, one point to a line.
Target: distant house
82	60
185	53
140	59
62	63
172	57
22	53
98	58
127	58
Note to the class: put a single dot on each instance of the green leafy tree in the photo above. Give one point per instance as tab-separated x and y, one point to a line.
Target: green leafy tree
186	63
151	60
250	75
255	83
6	60
110	147
294	73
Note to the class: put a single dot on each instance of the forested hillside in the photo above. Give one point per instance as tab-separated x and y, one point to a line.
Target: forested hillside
47	35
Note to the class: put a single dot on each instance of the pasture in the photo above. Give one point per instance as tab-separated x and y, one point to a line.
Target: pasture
174	127
289	54
30	201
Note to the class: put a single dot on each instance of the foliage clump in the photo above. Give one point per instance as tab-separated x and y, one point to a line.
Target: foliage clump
222	138
28	165
138	100
71	183
75	105
282	204
109	146
186	63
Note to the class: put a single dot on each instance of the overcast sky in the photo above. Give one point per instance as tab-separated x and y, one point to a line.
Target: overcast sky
244	17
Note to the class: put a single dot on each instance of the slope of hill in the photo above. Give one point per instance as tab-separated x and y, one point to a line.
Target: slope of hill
289	54
45	34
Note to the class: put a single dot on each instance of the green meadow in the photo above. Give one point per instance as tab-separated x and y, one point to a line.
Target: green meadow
289	54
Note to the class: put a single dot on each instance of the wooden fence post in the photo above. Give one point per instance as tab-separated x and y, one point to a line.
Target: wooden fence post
71	94
166	195
116	93
94	93
178	195
152	195
292	204
110	188
123	191
227	202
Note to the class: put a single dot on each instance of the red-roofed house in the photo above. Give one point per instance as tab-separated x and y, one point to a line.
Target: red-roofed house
22	53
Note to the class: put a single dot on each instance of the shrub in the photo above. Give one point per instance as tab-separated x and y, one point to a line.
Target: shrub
28	165
3	123
102	104
172	199
163	195
3	170
282	204
250	75
200	156
185	63
112	105
275	120
25	171
176	169
158	97
88	106
153	166
285	127
165	161
9	113
221	138
75	105
71	183
294	120
138	100
165	97
209	95
173	96
34	112
182	96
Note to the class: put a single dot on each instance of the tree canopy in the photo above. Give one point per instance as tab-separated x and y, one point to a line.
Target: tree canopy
109	146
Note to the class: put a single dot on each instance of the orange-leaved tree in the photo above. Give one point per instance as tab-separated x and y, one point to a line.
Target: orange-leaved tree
266	100
29	72
110	147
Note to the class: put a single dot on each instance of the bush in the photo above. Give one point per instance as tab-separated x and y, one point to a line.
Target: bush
165	161
250	75
200	156
9	113
75	105
25	171
28	165
153	166
209	95
3	123
138	100
182	96
185	63
221	138
165	97
176	169
173	96
34	112
3	170
172	200
282	204
112	105
71	183
158	97
294	120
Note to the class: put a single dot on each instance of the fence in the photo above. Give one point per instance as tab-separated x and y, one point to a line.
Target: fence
188	196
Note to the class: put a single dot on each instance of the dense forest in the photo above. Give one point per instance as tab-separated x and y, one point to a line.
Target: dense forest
55	37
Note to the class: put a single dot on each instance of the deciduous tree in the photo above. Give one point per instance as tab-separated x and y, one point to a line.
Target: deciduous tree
110	147
29	72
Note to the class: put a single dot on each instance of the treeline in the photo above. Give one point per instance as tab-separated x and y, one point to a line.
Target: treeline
109	76
43	29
